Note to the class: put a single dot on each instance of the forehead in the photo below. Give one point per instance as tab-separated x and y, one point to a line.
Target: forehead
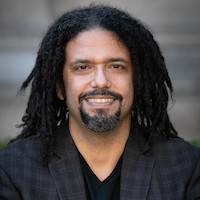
96	42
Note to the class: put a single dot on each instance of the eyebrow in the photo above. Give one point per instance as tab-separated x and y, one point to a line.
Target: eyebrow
86	61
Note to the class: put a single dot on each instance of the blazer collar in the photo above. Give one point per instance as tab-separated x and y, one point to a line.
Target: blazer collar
65	168
137	168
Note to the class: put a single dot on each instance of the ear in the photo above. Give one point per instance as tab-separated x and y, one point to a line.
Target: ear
59	91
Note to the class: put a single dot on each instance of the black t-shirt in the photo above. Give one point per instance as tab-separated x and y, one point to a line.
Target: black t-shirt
109	189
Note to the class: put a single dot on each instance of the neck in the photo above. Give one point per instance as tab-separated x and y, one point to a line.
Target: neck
101	150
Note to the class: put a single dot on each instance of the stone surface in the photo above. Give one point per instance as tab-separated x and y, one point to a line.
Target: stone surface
175	24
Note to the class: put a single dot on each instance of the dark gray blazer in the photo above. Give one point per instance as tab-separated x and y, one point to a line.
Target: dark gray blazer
169	170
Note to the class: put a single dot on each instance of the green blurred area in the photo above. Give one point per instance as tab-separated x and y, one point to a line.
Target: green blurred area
196	143
3	143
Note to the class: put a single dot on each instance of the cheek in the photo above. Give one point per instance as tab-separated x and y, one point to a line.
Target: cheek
76	85
71	95
131	92
73	91
129	97
128	94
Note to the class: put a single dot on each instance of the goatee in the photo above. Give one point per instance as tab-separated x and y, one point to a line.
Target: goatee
101	121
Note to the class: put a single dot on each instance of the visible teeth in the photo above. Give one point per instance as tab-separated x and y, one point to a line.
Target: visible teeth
100	100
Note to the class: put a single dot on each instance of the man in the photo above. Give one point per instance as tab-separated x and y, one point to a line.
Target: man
96	125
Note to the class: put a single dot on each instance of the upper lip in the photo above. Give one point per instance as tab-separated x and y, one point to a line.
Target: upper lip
98	94
100	97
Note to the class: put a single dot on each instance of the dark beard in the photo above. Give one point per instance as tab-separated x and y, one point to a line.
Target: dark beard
101	122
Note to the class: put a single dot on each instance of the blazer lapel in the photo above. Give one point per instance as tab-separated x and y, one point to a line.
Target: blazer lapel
67	175
136	169
66	169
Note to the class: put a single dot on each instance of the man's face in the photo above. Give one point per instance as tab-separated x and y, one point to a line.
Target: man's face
98	80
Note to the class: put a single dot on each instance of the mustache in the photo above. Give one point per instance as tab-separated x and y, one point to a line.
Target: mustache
115	95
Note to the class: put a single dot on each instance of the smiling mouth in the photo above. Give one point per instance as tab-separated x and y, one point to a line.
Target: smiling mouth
103	100
100	101
100	97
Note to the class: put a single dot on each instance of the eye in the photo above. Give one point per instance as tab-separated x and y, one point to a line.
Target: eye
117	66
81	68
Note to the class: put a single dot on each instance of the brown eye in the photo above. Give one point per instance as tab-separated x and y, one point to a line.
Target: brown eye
81	67
117	66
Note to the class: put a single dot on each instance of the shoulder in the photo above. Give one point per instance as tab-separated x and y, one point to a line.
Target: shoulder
175	153
27	149
22	173
175	147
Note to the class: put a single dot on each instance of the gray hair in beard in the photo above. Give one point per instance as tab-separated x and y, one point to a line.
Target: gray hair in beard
101	122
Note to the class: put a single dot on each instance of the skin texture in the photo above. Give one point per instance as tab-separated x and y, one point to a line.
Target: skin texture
97	60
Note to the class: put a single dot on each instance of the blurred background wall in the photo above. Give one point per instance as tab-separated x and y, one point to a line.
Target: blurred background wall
175	24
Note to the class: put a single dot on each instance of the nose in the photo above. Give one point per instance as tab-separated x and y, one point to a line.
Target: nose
100	79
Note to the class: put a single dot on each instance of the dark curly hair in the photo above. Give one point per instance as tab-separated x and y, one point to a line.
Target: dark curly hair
152	86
